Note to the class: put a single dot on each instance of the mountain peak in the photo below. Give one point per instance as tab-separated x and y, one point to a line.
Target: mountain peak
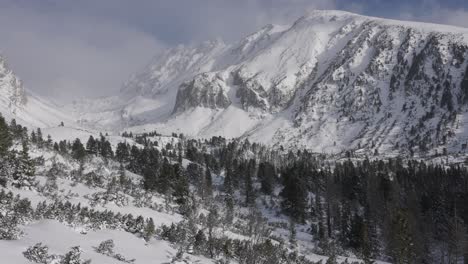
330	82
327	16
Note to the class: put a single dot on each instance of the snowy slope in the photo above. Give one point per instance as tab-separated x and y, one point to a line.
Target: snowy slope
332	81
54	234
27	108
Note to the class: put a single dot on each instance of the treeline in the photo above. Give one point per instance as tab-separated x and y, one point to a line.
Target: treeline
403	211
397	210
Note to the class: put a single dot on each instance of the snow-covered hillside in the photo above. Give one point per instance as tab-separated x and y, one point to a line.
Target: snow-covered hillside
23	105
329	82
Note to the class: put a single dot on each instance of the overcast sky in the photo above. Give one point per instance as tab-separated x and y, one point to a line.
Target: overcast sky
75	48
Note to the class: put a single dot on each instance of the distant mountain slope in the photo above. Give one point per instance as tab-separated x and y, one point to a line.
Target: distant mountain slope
332	81
27	108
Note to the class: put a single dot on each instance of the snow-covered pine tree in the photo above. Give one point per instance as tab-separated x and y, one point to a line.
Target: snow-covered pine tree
38	253
74	257
106	247
23	176
150	229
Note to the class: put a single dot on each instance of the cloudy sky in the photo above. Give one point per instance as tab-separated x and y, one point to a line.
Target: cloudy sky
76	48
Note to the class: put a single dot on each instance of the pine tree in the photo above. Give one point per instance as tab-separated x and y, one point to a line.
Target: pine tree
49	142
211	224
122	153
181	188
332	256
63	147
14	129
200	242
73	257
366	246
39	138
91	146
28	164
229	196
249	189
106	149
266	175
78	151
402	240
150	229
5	138
23	176
294	194
106	247
124	182
9	228
458	238
37	254
163	185
208	182
33	137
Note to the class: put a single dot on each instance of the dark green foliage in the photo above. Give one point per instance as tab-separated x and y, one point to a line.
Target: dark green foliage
122	152
5	137
295	192
267	177
78	151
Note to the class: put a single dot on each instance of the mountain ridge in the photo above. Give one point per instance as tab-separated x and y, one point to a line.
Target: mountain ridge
332	81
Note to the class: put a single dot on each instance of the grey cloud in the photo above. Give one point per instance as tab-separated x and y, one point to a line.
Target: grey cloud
69	49
72	56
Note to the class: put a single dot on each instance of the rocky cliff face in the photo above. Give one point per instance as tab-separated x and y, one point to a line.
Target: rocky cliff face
332	81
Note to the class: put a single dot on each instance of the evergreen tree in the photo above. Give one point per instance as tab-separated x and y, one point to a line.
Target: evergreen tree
33	137
167	174
91	146
23	176
211	224
200	242
150	229
49	142
106	247
294	194
73	257
63	147
266	176
402	240
122	153
249	189
5	138
56	147
208	182
229	196
181	188
78	151
106	149
37	254
125	182
39	138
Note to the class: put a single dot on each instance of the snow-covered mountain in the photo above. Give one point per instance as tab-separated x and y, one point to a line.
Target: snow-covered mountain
330	82
26	107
